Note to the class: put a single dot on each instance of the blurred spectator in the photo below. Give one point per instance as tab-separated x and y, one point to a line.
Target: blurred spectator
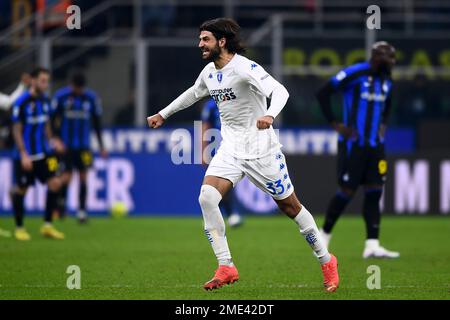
157	19
125	116
416	102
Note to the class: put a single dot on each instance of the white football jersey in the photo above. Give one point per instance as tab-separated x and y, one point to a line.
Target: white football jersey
240	90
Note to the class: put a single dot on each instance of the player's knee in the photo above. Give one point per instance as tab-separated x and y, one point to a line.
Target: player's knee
347	192
290	208
209	197
54	184
66	177
18	190
83	176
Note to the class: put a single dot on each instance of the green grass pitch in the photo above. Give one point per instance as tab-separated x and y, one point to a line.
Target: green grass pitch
170	258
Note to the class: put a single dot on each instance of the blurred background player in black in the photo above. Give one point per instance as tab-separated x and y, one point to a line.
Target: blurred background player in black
33	154
366	89
75	109
211	120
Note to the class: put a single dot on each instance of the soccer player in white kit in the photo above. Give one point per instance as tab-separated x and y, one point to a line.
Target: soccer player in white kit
249	144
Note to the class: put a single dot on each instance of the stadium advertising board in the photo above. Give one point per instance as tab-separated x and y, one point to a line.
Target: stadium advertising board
141	168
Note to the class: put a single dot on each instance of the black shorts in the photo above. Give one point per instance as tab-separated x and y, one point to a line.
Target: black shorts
361	165
43	170
79	160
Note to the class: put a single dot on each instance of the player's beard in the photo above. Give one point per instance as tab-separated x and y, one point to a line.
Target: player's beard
214	53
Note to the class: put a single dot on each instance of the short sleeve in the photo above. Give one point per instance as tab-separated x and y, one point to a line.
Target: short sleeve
16	112
348	76
260	79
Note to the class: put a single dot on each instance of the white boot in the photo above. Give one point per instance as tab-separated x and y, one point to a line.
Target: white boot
234	220
374	250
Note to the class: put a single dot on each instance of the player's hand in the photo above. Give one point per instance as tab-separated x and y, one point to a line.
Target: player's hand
104	153
26	162
264	122
25	79
155	121
382	131
346	132
58	145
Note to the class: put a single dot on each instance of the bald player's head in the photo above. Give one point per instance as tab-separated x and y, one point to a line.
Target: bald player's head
383	56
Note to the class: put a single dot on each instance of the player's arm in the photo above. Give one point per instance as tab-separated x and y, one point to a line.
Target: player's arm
186	99
7	100
97	124
270	88
343	79
385	116
25	159
56	115
55	142
17	130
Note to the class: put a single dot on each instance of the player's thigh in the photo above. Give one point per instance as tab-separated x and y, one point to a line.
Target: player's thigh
83	159
22	178
45	171
377	168
223	173
351	166
270	174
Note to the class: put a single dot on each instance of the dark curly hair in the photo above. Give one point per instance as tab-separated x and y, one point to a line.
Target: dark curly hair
225	28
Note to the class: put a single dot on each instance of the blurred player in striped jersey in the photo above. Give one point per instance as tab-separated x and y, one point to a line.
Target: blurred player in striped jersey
367	91
34	156
75	110
211	120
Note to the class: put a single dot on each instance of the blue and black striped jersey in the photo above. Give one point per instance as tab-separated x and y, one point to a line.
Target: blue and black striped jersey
33	112
366	101
76	114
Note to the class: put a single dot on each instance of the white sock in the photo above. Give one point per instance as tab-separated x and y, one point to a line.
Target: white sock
372	243
214	225
309	230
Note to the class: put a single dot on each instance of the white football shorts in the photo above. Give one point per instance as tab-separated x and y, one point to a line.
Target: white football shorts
270	173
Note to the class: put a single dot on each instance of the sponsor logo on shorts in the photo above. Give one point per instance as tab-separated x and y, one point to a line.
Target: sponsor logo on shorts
382	166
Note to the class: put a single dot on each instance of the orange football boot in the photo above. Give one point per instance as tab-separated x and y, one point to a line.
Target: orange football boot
330	274
224	275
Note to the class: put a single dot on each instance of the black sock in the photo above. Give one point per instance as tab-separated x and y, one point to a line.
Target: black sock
19	208
335	209
83	194
371	212
51	205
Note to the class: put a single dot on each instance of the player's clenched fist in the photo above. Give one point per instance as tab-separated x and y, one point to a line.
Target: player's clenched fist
264	122
155	121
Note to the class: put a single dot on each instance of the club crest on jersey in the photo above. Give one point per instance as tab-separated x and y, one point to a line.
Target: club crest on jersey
219	77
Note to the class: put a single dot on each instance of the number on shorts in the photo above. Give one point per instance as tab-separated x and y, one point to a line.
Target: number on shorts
52	164
273	187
